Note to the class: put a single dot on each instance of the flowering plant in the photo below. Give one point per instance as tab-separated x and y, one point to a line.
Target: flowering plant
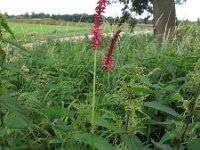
108	61
97	30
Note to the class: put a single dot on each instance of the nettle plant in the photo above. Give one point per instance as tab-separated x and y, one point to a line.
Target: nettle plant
10	109
108	60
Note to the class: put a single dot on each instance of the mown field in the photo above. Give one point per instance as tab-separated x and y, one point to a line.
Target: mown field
31	30
150	101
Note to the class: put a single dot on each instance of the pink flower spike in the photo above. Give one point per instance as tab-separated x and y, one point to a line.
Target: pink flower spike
108	61
96	30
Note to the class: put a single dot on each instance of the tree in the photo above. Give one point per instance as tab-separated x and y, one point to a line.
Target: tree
164	15
164	19
26	15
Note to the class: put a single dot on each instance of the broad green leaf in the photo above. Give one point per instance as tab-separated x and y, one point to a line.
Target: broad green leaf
14	108
167	136
146	81
171	69
194	145
15	121
163	108
59	124
10	104
12	68
100	121
142	89
154	74
177	97
99	142
161	146
133	143
57	111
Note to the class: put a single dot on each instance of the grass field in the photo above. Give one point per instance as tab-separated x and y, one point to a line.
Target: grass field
151	100
28	32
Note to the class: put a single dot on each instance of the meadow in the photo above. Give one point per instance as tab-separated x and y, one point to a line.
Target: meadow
150	101
29	30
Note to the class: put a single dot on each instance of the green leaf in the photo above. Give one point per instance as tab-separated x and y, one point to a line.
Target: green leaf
14	43
133	142
12	68
154	74
171	69
194	145
54	141
99	142
57	111
142	89
161	146
177	97
147	82
100	121
168	136
153	122
15	121
16	115
2	55
163	108
10	104
5	25
180	79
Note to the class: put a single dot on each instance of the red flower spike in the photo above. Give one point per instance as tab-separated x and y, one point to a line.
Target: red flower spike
108	61
96	30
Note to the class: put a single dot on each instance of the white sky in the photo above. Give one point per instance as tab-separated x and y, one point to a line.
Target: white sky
190	10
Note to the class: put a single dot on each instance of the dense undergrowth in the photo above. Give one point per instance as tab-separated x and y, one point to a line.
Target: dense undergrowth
150	101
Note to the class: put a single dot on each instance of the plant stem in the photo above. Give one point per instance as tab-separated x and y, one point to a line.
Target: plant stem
108	83
127	122
93	100
182	137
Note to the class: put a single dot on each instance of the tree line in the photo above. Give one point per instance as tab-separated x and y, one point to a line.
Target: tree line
65	17
73	17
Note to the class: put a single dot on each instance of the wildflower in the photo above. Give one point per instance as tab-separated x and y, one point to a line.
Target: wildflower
96	30
108	61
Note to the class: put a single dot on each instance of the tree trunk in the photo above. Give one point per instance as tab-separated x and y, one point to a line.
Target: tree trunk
164	19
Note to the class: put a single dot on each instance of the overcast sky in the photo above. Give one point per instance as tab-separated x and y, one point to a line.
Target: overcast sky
190	10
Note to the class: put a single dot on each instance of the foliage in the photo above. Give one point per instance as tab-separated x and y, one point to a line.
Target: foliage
65	17
150	101
139	6
11	115
53	19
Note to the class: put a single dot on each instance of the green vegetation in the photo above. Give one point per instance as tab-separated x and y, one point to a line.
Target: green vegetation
150	101
29	30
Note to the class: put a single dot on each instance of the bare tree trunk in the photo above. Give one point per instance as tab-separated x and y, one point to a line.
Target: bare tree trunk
164	19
